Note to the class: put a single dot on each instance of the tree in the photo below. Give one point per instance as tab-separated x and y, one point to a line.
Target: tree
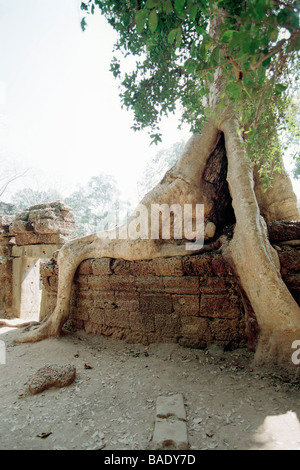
157	167
27	197
297	169
95	204
7	177
229	64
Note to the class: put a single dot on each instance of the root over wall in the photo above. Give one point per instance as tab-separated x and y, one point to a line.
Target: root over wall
193	300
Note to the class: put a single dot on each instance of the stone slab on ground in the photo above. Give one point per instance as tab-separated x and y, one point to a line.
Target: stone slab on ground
172	405
170	431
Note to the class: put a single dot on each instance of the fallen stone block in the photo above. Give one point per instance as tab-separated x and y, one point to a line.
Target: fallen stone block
170	431
170	434
170	406
51	376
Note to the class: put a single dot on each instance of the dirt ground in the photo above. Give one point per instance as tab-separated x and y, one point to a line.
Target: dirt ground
230	404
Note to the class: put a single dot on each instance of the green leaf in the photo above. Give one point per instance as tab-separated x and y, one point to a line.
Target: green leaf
153	21
172	35
84	6
140	19
227	36
151	4
168	7
178	37
200	30
193	12
215	55
279	88
190	65
267	62
179	6
83	24
234	90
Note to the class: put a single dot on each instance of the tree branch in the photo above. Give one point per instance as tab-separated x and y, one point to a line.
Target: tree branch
3	188
275	49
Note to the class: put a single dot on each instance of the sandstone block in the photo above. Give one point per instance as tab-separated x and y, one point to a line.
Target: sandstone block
6	220
168	267
186	304
156	304
48	218
172	405
101	266
170	431
283	230
198	265
170	434
220	306
181	285
51	376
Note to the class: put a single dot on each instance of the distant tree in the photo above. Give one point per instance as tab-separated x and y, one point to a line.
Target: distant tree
8	176
95	205
158	166
6	208
27	197
297	170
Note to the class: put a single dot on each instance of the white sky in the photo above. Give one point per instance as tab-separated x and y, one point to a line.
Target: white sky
60	112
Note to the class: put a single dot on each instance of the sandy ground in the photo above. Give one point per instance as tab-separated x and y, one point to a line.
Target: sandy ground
230	404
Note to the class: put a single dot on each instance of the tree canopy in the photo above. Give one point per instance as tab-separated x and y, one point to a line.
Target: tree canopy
178	50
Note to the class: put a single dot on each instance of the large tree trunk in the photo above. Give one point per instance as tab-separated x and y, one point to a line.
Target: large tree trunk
256	262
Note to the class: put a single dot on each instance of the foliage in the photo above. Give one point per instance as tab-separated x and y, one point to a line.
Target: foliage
178	48
28	197
297	170
9	175
95	205
157	167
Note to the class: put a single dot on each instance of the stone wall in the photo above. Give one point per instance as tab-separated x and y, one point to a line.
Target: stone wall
25	239
192	300
6	277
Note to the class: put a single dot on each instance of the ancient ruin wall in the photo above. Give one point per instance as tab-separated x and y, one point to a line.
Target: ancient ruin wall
193	300
25	239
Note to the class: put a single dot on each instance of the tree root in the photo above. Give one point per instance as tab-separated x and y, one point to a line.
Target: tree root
35	332
17	323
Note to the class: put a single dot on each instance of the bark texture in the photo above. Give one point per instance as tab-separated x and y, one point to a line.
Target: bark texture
255	262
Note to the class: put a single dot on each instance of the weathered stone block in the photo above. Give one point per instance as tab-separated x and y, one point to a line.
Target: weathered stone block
186	304
228	330
156	304
198	265
172	405
85	267
117	318
220	266
150	283
51	376
168	267
167	327
127	301
196	328
170	434
49	218
142	322
220	306
32	238
182	285
101	267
